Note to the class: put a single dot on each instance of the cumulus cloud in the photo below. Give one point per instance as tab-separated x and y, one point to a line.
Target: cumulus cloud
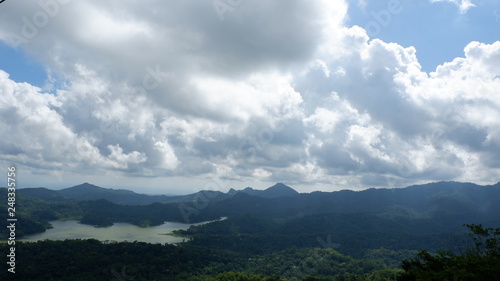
463	5
134	157
276	91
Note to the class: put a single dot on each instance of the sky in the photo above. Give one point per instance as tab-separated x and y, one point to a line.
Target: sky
179	96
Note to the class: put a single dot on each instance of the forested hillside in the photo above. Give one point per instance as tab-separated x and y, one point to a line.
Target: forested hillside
275	234
442	206
94	260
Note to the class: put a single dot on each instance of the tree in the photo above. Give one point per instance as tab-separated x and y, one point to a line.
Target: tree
479	262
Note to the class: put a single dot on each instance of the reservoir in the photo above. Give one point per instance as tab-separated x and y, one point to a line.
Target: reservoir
72	229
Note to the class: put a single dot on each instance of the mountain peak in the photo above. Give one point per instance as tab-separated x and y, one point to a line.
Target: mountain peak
81	190
85	185
280	189
275	191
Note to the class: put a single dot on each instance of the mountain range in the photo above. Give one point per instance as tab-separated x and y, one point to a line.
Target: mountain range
440	206
385	225
87	191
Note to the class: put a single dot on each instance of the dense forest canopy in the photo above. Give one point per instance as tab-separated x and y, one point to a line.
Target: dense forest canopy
416	233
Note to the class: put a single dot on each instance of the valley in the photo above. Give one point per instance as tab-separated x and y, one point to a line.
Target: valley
363	235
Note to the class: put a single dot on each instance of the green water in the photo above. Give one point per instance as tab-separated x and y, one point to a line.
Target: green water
71	229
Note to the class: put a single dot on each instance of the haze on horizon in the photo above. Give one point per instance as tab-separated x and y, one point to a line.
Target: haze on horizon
180	96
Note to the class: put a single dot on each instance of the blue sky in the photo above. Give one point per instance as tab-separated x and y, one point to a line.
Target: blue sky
437	30
177	96
21	66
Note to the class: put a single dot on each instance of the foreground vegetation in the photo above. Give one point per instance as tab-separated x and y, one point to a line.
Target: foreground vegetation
370	235
94	260
479	261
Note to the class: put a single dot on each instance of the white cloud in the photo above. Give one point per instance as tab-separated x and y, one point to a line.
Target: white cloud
122	159
169	160
463	5
278	91
324	119
261	173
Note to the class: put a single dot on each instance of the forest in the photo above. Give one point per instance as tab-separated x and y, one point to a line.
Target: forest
441	231
94	260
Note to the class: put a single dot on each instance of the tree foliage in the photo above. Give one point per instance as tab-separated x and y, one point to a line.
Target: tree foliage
95	260
480	261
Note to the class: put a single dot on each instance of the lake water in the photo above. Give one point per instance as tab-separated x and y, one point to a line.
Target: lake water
72	229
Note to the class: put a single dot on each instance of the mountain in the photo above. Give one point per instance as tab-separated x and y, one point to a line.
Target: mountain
440	200
87	191
42	193
279	190
204	196
441	206
33	213
275	191
447	203
232	191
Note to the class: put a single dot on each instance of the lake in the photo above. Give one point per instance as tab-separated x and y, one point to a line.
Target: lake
72	229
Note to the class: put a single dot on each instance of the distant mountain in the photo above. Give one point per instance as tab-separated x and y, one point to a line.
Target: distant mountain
87	191
34	213
204	196
42	193
275	191
449	203
232	191
439	199
279	190
442	206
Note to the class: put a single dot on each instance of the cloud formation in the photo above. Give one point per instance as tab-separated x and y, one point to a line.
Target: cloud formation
276	91
463	5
